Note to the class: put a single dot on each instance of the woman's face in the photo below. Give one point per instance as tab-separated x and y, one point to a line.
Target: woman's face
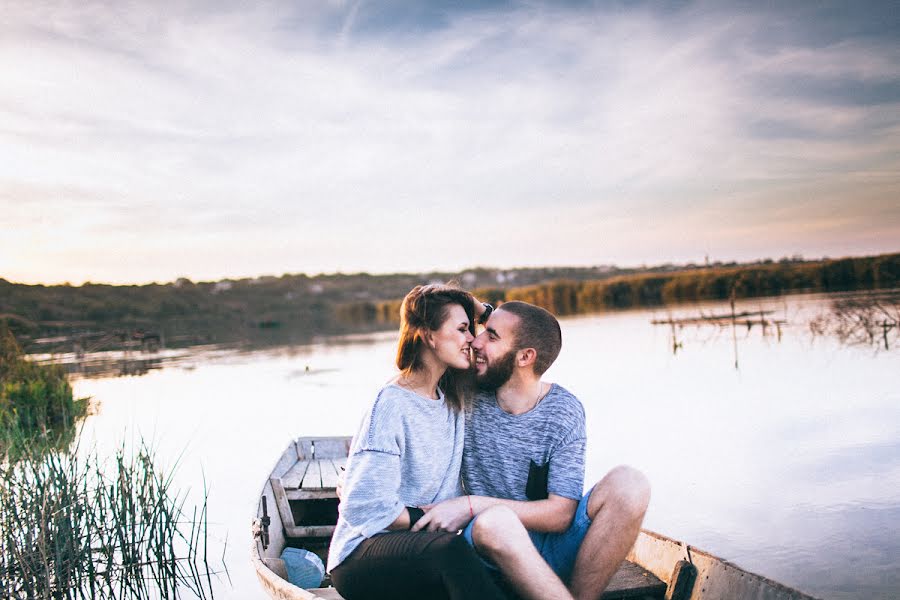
451	341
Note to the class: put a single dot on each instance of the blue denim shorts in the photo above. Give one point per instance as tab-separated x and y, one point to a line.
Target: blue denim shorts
558	549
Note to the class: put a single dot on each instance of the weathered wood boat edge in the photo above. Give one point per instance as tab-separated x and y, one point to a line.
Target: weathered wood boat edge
275	585
716	578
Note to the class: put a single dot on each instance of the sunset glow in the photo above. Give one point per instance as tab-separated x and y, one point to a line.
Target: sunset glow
152	141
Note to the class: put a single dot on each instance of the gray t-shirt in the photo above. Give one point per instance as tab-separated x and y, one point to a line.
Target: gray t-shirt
527	456
407	452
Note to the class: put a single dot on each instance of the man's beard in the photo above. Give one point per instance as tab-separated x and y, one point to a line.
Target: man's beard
498	372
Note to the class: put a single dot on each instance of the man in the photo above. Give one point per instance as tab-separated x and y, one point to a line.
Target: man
523	467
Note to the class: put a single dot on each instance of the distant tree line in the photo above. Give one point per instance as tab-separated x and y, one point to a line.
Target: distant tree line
567	297
285	308
294	307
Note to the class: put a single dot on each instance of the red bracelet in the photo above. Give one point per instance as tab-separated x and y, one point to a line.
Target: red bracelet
471	512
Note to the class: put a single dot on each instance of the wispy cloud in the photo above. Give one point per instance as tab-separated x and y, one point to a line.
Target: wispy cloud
343	135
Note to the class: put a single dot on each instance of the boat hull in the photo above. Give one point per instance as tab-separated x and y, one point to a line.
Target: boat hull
663	557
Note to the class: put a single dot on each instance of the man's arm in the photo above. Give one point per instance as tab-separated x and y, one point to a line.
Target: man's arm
553	514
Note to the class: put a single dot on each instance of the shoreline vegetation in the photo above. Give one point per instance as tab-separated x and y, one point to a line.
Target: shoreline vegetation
652	289
36	401
73	526
294	308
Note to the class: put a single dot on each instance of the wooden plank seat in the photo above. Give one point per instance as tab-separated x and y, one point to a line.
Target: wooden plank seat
305	489
313	474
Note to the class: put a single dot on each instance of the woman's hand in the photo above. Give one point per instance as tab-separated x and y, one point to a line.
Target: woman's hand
449	515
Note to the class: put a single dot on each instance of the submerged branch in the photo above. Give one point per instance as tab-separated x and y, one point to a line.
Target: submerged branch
866	320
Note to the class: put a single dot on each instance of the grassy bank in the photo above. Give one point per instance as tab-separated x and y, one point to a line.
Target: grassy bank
566	297
35	400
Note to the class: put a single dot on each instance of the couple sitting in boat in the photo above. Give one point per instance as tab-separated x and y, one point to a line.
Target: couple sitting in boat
464	483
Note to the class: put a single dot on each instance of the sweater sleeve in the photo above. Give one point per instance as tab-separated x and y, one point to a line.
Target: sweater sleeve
371	499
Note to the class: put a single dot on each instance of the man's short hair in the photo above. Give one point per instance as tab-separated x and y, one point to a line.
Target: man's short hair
537	329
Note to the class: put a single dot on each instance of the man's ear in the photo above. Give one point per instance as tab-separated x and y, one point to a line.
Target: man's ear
526	357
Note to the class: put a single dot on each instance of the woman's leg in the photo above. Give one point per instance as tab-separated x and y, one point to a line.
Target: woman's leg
421	564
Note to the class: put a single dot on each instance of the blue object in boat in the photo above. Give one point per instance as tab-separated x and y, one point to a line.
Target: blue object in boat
304	569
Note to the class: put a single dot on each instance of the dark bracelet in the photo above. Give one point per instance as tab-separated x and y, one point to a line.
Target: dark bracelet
488	309
415	513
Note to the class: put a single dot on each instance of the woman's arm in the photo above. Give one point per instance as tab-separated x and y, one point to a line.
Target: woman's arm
482	310
370	500
401	523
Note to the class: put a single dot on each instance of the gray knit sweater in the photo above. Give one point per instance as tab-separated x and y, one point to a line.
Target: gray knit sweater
407	452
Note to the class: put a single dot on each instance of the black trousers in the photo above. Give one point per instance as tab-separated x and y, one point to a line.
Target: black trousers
420	565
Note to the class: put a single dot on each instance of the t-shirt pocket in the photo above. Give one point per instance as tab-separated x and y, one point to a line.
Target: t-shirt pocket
536	488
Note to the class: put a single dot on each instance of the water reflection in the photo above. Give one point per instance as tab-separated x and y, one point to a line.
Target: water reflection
853	319
130	362
871	319
743	463
732	322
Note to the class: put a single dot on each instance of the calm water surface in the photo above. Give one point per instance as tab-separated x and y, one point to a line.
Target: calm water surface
788	465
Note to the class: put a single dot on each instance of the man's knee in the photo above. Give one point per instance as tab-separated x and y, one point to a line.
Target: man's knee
496	530
624	489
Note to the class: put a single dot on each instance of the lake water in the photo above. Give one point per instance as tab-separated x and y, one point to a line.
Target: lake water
788	465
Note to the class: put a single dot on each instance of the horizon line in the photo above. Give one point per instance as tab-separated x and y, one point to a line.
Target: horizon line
797	257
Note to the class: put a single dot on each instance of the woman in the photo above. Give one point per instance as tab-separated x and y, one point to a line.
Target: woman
407	453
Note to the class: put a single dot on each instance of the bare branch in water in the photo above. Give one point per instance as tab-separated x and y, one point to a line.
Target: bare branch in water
862	320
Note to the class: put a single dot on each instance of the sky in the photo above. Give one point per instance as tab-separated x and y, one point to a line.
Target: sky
146	141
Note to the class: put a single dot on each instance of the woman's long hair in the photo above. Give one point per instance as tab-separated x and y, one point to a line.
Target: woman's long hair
424	309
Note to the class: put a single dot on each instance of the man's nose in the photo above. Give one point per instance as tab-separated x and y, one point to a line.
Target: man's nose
477	342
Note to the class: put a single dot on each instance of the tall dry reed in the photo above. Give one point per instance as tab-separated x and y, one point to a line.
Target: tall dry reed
75	527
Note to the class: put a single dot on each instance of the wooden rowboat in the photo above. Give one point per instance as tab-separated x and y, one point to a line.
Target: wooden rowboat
298	507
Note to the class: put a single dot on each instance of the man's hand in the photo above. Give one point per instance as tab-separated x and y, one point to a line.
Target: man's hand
449	515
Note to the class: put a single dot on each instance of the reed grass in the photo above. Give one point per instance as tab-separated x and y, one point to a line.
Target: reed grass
74	527
572	297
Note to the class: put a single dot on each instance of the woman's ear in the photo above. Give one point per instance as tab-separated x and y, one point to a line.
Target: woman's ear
429	339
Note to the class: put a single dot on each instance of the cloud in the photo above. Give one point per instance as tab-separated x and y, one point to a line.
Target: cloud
361	144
